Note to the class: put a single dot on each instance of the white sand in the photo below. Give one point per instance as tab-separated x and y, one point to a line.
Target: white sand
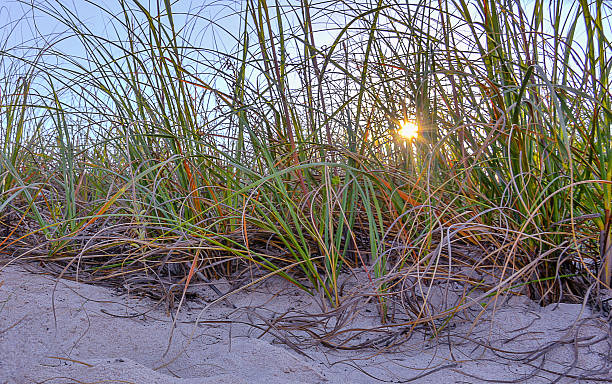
77	336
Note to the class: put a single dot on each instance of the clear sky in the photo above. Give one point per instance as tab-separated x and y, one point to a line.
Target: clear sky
23	20
29	23
218	23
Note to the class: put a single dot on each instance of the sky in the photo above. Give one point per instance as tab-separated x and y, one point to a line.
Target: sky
29	23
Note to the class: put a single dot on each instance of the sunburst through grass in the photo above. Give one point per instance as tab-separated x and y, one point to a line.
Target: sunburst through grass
409	130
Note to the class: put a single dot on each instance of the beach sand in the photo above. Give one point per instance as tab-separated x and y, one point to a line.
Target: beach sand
60	331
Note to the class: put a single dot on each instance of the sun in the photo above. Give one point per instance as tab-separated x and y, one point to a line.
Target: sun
409	130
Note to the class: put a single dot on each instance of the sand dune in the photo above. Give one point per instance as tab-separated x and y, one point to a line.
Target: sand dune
60	331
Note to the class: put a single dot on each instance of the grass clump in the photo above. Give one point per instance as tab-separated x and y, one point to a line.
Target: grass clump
267	136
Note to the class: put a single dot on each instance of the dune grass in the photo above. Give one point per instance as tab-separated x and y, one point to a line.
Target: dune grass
267	138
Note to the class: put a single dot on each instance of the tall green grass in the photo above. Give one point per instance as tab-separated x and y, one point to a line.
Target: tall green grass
268	138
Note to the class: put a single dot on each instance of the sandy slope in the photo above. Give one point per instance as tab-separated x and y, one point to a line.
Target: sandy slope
64	332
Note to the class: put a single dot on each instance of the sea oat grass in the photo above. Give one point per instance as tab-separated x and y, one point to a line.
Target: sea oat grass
177	146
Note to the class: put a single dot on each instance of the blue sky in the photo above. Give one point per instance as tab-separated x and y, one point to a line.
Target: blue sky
217	26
